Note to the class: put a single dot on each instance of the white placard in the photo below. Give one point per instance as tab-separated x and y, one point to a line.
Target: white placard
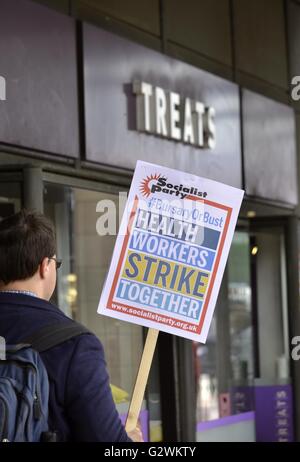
171	251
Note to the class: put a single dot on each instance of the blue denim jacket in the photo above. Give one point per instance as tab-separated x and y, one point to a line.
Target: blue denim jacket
81	406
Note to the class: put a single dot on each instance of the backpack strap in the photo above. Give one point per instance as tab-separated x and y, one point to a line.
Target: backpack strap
54	334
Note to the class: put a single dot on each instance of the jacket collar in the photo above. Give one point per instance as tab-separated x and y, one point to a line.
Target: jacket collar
26	300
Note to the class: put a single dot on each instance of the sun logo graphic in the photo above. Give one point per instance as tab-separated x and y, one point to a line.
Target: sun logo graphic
146	184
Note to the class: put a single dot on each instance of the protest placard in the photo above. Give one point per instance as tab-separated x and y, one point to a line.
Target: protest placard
171	251
169	258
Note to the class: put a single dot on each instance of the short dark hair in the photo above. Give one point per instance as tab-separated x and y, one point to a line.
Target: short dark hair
26	238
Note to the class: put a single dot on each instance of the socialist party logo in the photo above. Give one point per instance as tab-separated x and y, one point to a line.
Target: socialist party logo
159	184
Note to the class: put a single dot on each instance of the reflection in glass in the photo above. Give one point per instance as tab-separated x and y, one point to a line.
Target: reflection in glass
224	365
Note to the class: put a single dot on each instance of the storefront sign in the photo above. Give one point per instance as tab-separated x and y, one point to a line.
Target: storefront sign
171	251
38	82
142	104
169	115
265	149
274	413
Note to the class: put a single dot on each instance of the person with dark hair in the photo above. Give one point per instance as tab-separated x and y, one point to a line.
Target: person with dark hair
81	406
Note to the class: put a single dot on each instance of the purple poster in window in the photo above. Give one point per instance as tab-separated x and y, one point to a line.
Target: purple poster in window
241	399
274	413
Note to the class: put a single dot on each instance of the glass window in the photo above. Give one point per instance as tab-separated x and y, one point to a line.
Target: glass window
269	264
225	363
206	376
241	374
10	198
247	352
239	296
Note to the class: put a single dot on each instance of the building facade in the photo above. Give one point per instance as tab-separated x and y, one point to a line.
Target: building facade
88	88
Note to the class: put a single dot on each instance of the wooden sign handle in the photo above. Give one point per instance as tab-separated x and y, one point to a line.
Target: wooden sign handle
141	380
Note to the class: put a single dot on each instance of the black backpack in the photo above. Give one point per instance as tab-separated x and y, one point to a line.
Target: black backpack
24	384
